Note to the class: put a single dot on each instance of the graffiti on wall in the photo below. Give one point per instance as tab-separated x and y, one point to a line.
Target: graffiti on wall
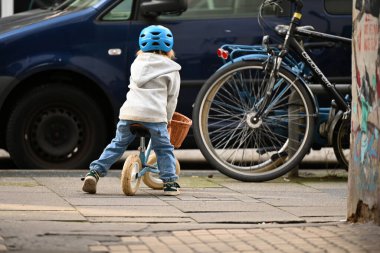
366	96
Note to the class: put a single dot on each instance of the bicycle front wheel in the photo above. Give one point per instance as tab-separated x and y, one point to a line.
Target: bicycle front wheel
241	145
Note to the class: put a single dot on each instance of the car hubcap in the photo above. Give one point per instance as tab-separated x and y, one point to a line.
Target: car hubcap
56	133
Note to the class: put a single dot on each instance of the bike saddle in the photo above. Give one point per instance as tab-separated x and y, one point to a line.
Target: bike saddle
139	130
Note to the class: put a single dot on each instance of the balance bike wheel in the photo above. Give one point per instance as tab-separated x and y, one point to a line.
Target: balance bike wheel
151	179
129	181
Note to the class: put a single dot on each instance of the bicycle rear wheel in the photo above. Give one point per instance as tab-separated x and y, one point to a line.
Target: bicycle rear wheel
241	146
151	179
341	142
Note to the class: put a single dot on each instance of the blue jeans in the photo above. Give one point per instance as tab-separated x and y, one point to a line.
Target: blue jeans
160	144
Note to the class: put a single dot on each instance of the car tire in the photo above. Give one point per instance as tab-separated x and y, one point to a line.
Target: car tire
55	126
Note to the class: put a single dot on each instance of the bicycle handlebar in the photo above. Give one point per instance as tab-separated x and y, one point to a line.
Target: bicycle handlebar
298	4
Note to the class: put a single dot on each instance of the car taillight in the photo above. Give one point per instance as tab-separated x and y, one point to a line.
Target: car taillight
222	53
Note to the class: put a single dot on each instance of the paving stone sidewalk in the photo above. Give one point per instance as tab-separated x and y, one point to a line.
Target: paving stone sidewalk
292	239
46	211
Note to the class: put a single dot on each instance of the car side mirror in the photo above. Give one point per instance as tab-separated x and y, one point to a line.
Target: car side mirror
155	8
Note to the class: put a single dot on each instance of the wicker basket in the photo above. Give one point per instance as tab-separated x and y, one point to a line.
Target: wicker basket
179	127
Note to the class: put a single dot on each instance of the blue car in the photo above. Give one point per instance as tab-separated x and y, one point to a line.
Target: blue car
64	71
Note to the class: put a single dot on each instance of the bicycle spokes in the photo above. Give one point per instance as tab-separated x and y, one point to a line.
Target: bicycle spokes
242	138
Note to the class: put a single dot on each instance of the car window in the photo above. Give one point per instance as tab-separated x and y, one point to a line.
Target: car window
341	7
122	11
226	9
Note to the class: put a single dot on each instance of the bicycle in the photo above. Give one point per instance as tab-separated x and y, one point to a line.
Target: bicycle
254	118
144	165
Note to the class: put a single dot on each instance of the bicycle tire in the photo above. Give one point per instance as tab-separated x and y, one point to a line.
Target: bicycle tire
237	147
129	181
151	179
341	143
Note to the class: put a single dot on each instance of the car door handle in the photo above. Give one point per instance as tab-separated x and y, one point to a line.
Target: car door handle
114	51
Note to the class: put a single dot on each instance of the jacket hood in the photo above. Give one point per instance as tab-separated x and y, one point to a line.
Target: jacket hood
148	66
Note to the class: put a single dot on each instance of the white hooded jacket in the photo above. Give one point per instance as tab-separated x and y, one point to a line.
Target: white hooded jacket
153	89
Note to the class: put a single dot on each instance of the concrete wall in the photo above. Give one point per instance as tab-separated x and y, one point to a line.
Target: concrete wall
364	179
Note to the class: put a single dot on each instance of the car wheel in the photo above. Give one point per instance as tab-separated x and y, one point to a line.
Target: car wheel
55	127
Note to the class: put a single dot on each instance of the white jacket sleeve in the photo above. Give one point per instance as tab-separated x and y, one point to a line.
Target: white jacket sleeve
173	92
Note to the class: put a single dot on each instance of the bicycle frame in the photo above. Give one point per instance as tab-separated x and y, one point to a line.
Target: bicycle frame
323	80
291	42
144	154
237	53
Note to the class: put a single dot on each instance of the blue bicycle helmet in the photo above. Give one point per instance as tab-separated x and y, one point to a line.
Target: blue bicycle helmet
156	37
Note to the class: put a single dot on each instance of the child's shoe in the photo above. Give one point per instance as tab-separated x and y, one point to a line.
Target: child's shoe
90	181
171	189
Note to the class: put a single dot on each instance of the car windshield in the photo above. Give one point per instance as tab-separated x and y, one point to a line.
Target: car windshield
74	5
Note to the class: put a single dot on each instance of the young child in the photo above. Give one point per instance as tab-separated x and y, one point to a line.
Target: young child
151	101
